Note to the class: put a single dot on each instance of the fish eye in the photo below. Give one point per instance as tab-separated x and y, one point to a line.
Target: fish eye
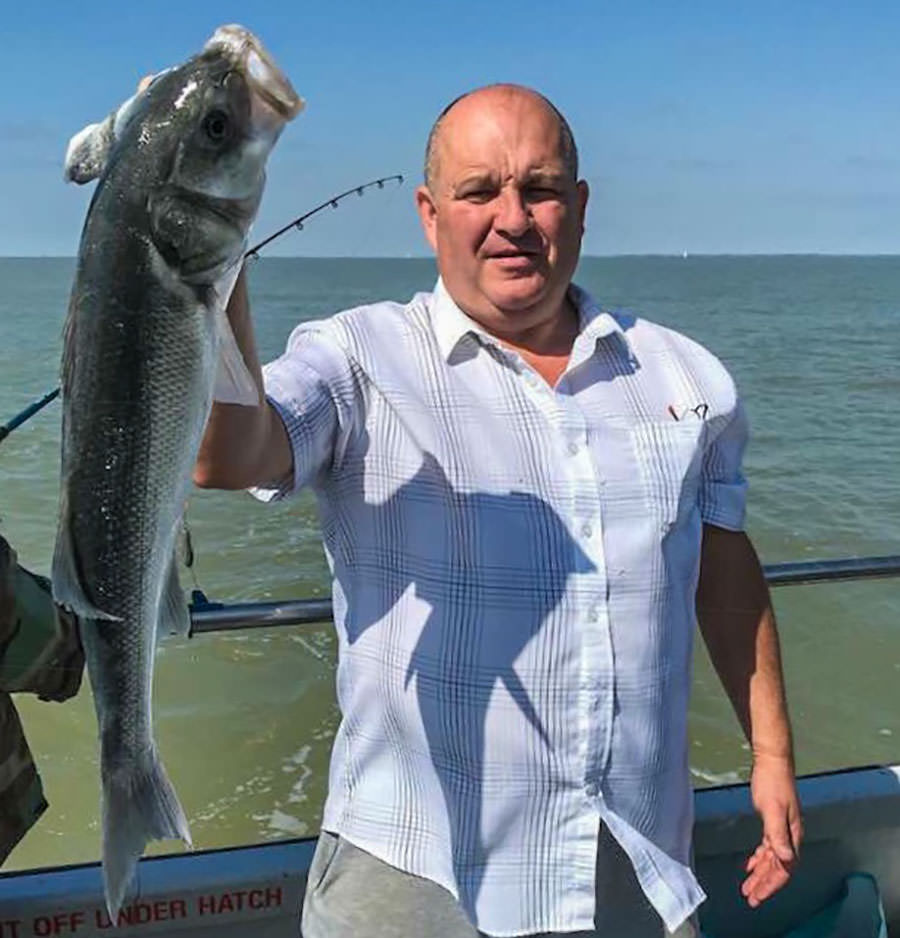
216	125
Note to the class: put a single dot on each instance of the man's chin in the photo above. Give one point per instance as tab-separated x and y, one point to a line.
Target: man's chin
517	293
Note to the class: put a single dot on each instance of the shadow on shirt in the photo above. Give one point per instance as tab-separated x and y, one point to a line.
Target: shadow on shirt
493	568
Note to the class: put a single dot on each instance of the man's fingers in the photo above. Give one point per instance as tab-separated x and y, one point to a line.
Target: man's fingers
767	877
757	892
769	866
754	859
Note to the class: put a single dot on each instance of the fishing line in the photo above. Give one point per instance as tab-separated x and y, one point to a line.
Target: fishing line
252	254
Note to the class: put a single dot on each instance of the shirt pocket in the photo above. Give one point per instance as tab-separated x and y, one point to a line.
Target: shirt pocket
669	457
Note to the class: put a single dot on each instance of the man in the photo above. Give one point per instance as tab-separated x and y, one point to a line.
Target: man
517	490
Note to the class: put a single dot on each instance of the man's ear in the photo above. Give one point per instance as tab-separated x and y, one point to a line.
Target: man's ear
427	215
583	193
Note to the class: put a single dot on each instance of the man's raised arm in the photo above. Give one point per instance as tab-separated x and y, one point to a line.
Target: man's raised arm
243	446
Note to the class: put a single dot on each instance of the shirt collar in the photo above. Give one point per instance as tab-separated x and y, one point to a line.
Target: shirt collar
593	321
451	325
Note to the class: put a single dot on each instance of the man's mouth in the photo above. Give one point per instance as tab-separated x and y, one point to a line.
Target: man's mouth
512	254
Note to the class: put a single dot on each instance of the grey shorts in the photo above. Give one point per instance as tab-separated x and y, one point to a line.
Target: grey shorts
351	894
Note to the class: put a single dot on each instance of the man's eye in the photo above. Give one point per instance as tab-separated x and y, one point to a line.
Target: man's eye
478	195
541	193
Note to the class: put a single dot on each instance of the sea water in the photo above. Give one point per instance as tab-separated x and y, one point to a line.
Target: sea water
245	721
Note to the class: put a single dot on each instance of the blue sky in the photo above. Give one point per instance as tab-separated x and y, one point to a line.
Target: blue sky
703	126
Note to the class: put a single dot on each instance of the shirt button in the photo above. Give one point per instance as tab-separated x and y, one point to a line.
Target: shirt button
592	614
573	448
586	530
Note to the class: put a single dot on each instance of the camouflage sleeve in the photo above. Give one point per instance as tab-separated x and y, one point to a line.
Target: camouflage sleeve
40	653
40	650
22	799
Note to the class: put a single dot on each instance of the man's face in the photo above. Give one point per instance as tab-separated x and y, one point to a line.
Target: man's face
504	215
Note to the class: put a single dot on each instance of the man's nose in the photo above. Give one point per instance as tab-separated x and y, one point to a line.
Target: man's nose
513	217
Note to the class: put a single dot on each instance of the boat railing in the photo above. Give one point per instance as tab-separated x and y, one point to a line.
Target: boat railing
209	616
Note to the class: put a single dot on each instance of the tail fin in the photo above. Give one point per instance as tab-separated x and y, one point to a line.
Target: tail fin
139	805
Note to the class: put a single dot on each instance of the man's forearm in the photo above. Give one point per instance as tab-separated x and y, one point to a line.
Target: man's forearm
738	625
240	442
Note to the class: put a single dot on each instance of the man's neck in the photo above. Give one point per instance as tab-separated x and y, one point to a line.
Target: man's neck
547	345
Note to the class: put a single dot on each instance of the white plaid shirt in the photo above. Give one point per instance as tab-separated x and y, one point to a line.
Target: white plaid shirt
514	576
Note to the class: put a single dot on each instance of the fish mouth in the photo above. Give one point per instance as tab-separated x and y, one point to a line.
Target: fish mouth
264	77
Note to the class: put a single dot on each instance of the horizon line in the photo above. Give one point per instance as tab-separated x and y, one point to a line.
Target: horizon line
680	255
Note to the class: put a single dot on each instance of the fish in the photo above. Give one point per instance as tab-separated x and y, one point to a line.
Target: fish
147	347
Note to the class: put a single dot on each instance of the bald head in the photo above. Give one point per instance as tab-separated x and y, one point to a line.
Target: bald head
568	150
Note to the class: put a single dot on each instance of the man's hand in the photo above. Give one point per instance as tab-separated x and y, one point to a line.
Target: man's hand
774	794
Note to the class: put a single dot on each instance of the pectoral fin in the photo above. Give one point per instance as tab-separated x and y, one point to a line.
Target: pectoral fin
89	149
174	615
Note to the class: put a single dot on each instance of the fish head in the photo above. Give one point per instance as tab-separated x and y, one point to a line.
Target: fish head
213	122
235	102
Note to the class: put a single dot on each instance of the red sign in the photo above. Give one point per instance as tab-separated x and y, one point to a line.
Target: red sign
145	912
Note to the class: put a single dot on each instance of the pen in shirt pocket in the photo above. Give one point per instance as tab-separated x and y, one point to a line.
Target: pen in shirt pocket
699	411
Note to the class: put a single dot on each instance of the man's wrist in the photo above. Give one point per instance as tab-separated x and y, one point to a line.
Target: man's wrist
773	756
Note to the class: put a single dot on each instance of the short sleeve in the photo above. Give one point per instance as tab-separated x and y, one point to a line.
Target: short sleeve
312	388
723	488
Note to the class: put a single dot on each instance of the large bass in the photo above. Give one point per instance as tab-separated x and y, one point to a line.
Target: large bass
181	171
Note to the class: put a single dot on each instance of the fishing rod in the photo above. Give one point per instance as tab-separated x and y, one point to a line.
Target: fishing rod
27	414
251	254
297	223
